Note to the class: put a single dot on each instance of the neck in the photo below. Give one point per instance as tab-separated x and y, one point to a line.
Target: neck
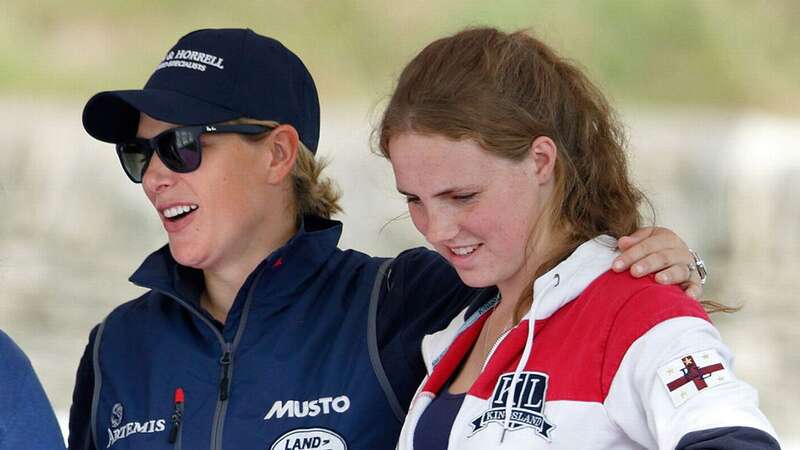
223	282
541	248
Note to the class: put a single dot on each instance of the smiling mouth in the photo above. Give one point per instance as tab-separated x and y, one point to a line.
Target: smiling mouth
465	250
176	213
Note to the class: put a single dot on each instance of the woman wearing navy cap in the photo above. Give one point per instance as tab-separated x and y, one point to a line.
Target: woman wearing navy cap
256	330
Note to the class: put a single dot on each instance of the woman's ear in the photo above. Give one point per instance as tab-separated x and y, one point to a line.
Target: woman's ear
543	155
283	145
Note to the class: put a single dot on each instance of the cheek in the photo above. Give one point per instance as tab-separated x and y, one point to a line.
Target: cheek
229	187
512	241
418	217
502	230
151	197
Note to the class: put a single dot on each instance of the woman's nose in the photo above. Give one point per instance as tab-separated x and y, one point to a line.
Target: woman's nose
157	176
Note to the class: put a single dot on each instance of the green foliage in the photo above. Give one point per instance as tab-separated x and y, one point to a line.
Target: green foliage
726	53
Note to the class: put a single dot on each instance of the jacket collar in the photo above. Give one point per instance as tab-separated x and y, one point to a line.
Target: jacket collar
299	258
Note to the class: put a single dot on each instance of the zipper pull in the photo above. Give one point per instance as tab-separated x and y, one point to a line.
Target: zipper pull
177	416
224	383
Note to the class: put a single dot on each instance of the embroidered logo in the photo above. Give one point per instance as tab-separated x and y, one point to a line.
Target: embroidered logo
119	431
686	377
527	406
116	415
310	408
191	59
310	439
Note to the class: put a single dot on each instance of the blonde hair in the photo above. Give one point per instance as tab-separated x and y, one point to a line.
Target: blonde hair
314	194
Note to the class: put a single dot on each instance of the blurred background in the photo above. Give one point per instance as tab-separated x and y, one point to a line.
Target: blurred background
709	92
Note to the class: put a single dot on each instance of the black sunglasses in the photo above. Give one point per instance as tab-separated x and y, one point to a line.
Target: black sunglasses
178	148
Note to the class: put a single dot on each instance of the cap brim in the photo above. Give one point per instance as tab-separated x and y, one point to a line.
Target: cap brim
113	116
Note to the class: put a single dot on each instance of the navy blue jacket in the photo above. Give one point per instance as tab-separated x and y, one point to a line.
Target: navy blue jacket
26	417
320	350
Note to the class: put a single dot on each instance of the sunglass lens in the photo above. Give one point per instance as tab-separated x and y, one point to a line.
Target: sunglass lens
134	158
180	150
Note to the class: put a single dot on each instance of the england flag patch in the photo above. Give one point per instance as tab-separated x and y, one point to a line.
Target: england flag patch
686	377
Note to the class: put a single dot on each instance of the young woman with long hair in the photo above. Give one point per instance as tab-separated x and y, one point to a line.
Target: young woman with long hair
514	170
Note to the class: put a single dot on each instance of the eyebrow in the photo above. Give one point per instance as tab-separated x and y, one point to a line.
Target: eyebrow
446	192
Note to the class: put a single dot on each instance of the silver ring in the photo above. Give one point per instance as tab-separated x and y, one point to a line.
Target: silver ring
700	266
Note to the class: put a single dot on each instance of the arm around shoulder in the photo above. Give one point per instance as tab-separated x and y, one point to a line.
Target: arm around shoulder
420	293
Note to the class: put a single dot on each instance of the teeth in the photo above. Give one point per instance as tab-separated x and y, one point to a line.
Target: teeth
178	210
463	251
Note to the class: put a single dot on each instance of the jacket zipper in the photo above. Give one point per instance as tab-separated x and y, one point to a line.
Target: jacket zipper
225	361
226	369
494	347
176	432
225	382
224	376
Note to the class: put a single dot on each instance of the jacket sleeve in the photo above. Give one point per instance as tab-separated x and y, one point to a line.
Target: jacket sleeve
740	438
80	413
675	386
421	293
26	416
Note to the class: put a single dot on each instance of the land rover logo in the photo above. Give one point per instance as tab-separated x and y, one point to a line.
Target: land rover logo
310	439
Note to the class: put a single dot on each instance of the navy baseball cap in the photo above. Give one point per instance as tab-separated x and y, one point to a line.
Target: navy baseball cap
212	76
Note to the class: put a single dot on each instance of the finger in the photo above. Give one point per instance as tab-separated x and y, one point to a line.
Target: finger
657	239
668	239
625	242
662	260
675	274
633	254
644	232
650	256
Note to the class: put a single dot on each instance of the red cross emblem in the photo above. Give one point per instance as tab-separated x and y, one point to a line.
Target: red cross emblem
695	374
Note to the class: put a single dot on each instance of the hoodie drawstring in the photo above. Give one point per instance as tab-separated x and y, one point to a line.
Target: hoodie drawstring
526	353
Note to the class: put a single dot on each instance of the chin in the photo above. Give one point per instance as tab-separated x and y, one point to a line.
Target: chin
187	256
476	280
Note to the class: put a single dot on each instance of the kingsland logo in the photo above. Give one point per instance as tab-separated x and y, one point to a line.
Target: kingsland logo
308	408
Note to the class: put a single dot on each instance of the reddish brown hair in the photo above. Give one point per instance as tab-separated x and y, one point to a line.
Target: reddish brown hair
503	91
